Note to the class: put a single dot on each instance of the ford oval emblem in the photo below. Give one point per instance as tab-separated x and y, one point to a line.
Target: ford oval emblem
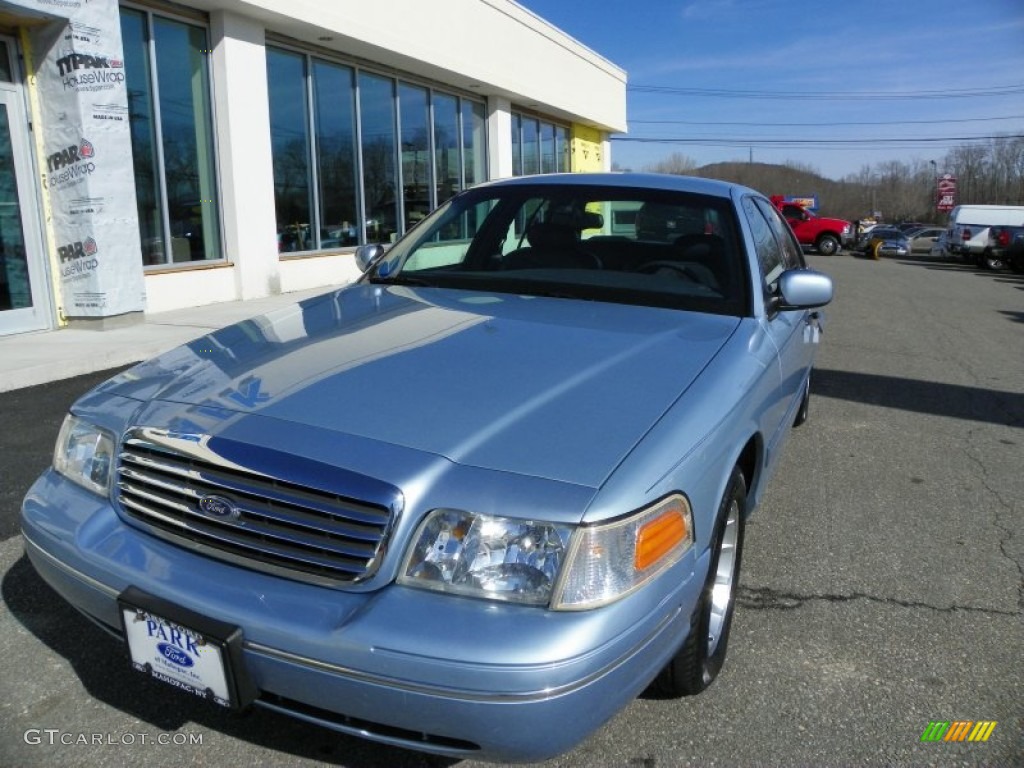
175	655
218	508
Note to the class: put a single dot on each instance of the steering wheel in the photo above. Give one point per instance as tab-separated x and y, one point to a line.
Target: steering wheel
681	270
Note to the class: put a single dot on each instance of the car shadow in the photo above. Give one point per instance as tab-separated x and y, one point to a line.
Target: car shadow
101	663
934	398
955	265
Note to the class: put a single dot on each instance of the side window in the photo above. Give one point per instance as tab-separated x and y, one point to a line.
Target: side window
794	212
449	244
769	253
792	254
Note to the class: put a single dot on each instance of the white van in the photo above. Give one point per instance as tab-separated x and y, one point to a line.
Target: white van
969	230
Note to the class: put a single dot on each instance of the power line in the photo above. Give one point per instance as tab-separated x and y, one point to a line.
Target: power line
897	140
823	125
837	144
820	140
946	93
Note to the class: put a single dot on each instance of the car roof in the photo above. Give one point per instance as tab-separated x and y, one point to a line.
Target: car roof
668	182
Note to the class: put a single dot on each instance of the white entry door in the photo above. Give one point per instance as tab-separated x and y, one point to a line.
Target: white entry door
24	294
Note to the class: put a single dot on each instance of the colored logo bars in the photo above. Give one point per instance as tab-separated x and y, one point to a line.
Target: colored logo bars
958	730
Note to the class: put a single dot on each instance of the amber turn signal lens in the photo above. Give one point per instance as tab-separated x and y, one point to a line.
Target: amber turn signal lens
658	537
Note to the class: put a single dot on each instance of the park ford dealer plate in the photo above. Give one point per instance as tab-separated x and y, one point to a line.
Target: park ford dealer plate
176	646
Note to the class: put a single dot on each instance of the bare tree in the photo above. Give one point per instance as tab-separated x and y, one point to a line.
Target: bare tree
676	163
991	172
1005	165
968	163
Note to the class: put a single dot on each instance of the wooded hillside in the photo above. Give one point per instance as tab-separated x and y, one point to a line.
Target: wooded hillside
991	173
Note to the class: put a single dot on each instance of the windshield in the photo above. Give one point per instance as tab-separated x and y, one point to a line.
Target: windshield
631	246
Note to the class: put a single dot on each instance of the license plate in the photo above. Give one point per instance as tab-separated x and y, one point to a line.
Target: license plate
180	648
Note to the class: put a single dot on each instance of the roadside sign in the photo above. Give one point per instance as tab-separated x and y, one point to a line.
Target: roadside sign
945	193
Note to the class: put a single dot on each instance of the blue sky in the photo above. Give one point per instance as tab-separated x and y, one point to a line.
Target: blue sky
935	72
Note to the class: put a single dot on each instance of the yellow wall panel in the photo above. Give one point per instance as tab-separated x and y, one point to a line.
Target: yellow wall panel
587	155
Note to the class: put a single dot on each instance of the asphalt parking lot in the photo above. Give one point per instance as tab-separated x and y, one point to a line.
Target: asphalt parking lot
882	585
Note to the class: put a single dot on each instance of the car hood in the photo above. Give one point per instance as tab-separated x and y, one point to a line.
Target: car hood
838	223
553	388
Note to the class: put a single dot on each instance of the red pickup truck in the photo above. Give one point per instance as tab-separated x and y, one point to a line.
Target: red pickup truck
825	235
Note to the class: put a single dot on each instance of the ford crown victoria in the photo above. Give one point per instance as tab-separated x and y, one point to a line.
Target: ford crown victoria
472	504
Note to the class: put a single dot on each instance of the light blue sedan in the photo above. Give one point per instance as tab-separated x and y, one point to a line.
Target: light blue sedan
472	504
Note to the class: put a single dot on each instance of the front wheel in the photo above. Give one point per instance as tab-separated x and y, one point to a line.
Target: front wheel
828	245
698	662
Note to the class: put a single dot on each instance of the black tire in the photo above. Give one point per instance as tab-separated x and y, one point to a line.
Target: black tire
992	262
828	245
698	662
805	405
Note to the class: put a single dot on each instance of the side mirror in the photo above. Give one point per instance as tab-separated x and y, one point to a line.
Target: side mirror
804	289
368	255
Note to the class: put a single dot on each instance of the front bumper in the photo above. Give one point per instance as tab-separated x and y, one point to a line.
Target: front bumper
888	249
454	676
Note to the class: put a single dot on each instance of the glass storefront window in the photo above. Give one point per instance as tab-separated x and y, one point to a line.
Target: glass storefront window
547	148
446	146
416	183
562	149
474	122
344	176
172	138
334	97
539	146
289	139
531	147
377	112
517	145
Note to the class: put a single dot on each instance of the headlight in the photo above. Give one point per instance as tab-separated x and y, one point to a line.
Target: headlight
483	556
84	454
538	563
610	560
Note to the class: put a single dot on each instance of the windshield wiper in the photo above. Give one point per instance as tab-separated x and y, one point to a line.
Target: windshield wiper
558	293
400	279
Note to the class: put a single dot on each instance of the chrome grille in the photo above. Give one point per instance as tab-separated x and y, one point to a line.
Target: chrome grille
262	521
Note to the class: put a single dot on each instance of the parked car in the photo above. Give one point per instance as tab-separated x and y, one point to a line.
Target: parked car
908	226
923	239
886	241
1006	247
820	233
862	237
475	502
969	231
940	249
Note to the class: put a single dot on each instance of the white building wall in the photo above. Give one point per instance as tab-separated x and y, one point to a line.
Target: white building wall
499	137
494	49
240	107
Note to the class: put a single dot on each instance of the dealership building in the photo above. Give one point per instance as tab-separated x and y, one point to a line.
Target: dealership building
158	155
